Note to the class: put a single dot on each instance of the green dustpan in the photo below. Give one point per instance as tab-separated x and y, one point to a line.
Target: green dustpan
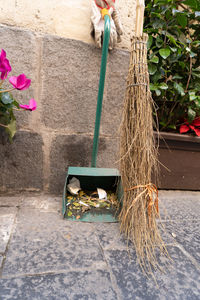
93	178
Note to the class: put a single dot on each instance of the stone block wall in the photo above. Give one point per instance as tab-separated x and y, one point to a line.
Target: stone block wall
65	75
65	18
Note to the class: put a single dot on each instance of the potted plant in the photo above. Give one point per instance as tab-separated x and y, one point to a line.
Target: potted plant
174	68
7	102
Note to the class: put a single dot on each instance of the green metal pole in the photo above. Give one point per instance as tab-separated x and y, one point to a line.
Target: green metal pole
101	88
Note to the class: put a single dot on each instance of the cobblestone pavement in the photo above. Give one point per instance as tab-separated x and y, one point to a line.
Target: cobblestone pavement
43	256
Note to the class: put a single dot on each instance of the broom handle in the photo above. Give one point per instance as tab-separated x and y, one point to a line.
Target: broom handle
101	88
139	17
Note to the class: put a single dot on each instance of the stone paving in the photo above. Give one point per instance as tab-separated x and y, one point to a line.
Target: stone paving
43	256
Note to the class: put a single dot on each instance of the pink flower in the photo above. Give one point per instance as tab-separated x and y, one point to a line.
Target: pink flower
20	82
5	67
32	105
195	125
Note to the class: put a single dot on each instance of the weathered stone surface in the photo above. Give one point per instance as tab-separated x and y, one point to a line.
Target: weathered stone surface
6	224
59	18
76	150
115	86
10	201
181	280
70	84
109	236
21	52
23	162
1	260
2	163
108	154
44	242
71	77
69	150
177	205
49	257
187	234
44	203
84	285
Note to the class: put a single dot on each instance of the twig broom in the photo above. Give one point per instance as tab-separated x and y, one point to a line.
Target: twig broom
138	156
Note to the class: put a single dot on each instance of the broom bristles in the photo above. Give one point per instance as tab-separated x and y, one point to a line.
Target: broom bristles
138	161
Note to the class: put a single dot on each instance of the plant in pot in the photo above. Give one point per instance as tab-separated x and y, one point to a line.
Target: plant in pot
7	102
173	27
173	61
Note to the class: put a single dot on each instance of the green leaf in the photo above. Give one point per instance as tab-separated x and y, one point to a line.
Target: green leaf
192	96
69	213
6	98
196	43
158	23
173	49
164	52
16	104
182	38
196	74
177	77
196	69
161	2
182	20
172	40
157	76
197	103
159	42
191	114
155	59
149	42
179	88
163	86
192	3
172	127
182	64
163	124
11	129
152	69
153	87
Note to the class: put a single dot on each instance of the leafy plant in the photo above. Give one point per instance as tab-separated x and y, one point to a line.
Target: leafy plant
173	60
7	102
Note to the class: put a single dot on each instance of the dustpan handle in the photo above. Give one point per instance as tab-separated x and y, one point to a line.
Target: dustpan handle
101	88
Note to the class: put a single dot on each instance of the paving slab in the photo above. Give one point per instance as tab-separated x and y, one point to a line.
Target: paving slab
49	257
181	280
8	201
179	205
44	242
75	285
1	260
110	237
44	203
6	224
187	234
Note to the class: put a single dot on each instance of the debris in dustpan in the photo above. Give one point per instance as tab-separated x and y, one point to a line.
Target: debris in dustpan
74	186
102	194
94	201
